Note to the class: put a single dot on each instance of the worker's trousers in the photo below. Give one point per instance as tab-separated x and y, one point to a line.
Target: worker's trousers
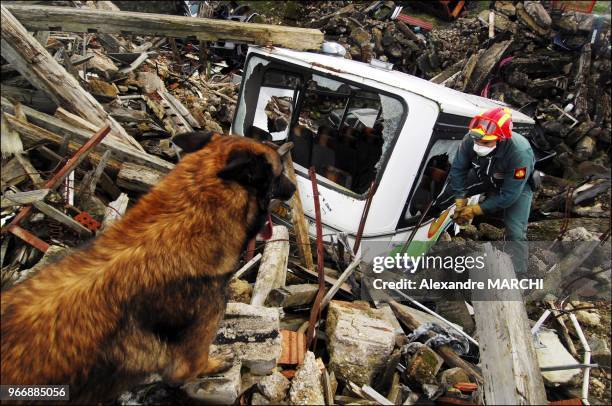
516	218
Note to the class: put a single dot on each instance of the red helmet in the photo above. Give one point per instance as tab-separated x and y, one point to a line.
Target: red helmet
493	124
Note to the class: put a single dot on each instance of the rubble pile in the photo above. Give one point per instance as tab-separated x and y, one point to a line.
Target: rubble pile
357	352
550	64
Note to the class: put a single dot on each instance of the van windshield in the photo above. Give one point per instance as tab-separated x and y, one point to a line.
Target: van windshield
342	129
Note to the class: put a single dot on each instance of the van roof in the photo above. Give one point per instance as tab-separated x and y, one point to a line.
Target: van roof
451	101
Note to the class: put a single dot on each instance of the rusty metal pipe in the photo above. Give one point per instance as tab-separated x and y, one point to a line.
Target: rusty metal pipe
28	237
364	216
416	227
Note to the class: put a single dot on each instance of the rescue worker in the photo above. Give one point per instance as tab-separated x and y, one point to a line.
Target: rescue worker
503	163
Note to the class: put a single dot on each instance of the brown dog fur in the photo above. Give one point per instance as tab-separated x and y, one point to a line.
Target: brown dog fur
148	294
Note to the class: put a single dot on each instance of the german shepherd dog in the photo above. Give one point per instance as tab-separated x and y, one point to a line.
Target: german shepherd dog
148	294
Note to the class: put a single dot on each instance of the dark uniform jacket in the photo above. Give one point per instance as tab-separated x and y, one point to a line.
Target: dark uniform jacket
504	172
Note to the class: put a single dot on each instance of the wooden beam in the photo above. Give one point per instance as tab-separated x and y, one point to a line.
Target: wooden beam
300	226
40	18
88	185
507	353
328	389
61	174
74	120
247	267
301	271
12	174
341	279
174	121
182	110
38	66
37	180
136	63
292	295
371	394
137	177
60	217
32	134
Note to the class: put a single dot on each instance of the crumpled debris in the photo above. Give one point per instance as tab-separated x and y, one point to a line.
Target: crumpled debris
444	336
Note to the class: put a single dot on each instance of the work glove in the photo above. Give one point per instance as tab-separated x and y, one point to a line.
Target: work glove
460	203
467	213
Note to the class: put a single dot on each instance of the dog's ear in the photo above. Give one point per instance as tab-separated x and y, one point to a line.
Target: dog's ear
193	141
247	168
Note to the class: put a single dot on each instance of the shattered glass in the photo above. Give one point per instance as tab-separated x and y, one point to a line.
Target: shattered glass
392	111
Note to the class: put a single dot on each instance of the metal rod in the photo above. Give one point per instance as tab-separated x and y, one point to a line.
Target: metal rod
28	237
586	359
250	249
364	216
53	183
341	279
416	227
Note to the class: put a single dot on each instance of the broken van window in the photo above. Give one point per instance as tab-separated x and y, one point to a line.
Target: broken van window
268	104
273	113
343	130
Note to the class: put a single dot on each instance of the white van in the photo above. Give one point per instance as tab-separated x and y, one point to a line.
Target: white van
359	126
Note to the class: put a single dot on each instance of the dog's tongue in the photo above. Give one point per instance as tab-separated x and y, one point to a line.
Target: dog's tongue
266	232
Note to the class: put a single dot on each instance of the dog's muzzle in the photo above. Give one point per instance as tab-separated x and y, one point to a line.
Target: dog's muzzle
283	189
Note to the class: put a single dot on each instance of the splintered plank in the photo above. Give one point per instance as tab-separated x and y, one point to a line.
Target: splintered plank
23	198
60	217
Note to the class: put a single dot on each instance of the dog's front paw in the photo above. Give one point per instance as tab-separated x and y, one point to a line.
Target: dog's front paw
180	371
219	362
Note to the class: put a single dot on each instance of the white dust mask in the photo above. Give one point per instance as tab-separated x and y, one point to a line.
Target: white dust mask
481	150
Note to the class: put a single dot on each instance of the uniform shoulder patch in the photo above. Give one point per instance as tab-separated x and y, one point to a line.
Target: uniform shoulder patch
520	173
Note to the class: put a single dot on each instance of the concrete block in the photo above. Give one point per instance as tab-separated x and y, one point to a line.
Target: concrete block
252	332
551	352
306	388
274	387
240	291
360	341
